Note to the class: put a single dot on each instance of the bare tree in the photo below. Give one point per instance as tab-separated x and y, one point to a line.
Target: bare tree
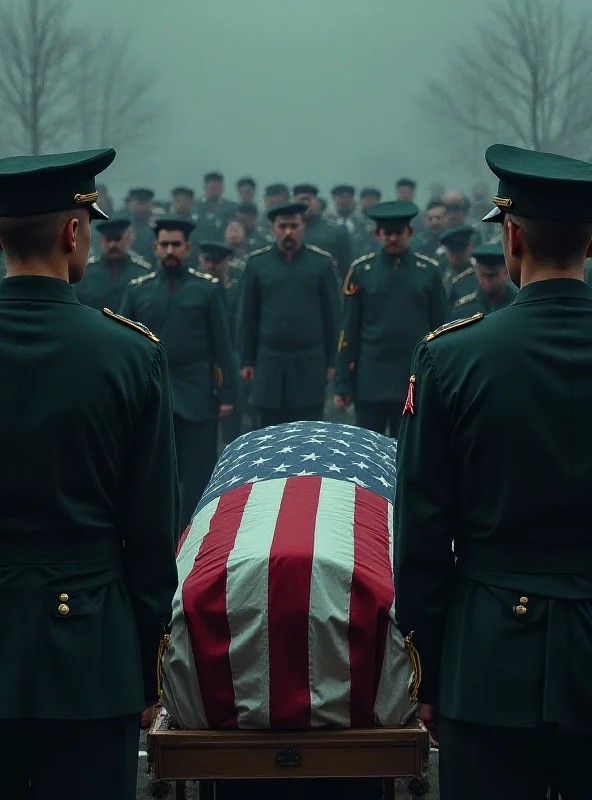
524	79
116	102
37	51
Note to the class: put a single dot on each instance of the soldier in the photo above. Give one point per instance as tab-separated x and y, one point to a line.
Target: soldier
344	207
503	625
289	313
108	275
458	207
186	309
275	194
405	190
213	212
429	243
391	298
369	197
246	188
495	289
458	266
183	202
88	498
328	236
247	214
140	205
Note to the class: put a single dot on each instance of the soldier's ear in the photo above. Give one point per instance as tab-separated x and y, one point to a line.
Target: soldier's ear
410	230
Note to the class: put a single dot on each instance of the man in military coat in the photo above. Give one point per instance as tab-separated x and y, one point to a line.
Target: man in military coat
289	314
495	288
140	206
213	212
391	298
326	235
108	275
494	455
88	490
186	309
458	265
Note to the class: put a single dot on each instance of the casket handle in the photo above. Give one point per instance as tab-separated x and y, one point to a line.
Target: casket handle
288	758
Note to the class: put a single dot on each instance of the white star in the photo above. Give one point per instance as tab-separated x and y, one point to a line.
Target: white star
265	438
255	479
384	482
281	468
337	452
347	433
311	457
360	464
345	444
240	445
303	474
286	450
314	440
335	468
320	430
259	461
357	480
233	480
367	447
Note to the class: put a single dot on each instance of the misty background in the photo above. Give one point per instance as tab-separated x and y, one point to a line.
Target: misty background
325	91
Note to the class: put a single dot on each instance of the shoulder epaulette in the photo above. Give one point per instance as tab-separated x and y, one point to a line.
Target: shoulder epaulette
318	250
468	298
451	326
259	252
205	275
137	326
428	259
92	260
348	289
463	274
142	279
140	262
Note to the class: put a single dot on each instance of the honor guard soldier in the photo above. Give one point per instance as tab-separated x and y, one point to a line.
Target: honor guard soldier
246	188
186	309
213	212
183	202
495	288
494	455
140	204
108	275
289	315
458	266
88	496
321	233
391	298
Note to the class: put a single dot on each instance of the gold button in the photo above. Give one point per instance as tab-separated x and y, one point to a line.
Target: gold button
522	600
520	610
63	609
64	598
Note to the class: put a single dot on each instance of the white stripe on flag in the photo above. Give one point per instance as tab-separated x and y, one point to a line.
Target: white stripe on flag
391	536
330	590
181	692
246	603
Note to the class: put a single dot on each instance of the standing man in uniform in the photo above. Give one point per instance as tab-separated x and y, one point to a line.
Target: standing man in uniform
140	204
183	202
429	243
247	214
503	625
106	277
321	233
246	188
369	197
186	309
495	289
88	494
391	298
289	314
213	212
458	265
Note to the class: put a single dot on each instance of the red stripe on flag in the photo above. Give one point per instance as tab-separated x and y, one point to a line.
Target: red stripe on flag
372	596
183	538
204	604
290	570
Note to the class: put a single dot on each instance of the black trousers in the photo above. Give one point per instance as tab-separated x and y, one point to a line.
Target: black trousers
380	417
477	761
197	453
279	416
69	759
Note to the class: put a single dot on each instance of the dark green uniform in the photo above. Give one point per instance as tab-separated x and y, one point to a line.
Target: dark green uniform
459	282
477	302
289	313
388	305
331	238
186	310
143	240
105	282
494	455
230	287
211	219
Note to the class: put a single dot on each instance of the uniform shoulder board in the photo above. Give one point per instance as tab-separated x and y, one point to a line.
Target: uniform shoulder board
142	279
468	298
205	275
463	274
349	285
428	259
92	260
362	259
259	252
140	262
130	324
451	326
318	250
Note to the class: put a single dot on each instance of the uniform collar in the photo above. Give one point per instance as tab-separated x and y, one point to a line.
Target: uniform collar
554	288
37	287
395	262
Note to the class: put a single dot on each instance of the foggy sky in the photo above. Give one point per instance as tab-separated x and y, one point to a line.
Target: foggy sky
294	90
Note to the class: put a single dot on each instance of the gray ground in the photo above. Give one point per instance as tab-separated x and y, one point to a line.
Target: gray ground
145	781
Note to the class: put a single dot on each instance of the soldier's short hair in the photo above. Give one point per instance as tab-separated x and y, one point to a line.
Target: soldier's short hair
406	182
563	243
32	237
246	182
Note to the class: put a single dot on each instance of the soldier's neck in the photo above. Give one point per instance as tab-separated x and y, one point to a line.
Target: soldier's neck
532	272
37	266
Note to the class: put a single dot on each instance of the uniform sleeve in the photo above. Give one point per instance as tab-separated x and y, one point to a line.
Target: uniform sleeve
348	346
249	317
150	520
222	350
330	311
425	521
439	304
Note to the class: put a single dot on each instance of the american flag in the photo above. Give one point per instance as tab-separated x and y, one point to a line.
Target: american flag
284	616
